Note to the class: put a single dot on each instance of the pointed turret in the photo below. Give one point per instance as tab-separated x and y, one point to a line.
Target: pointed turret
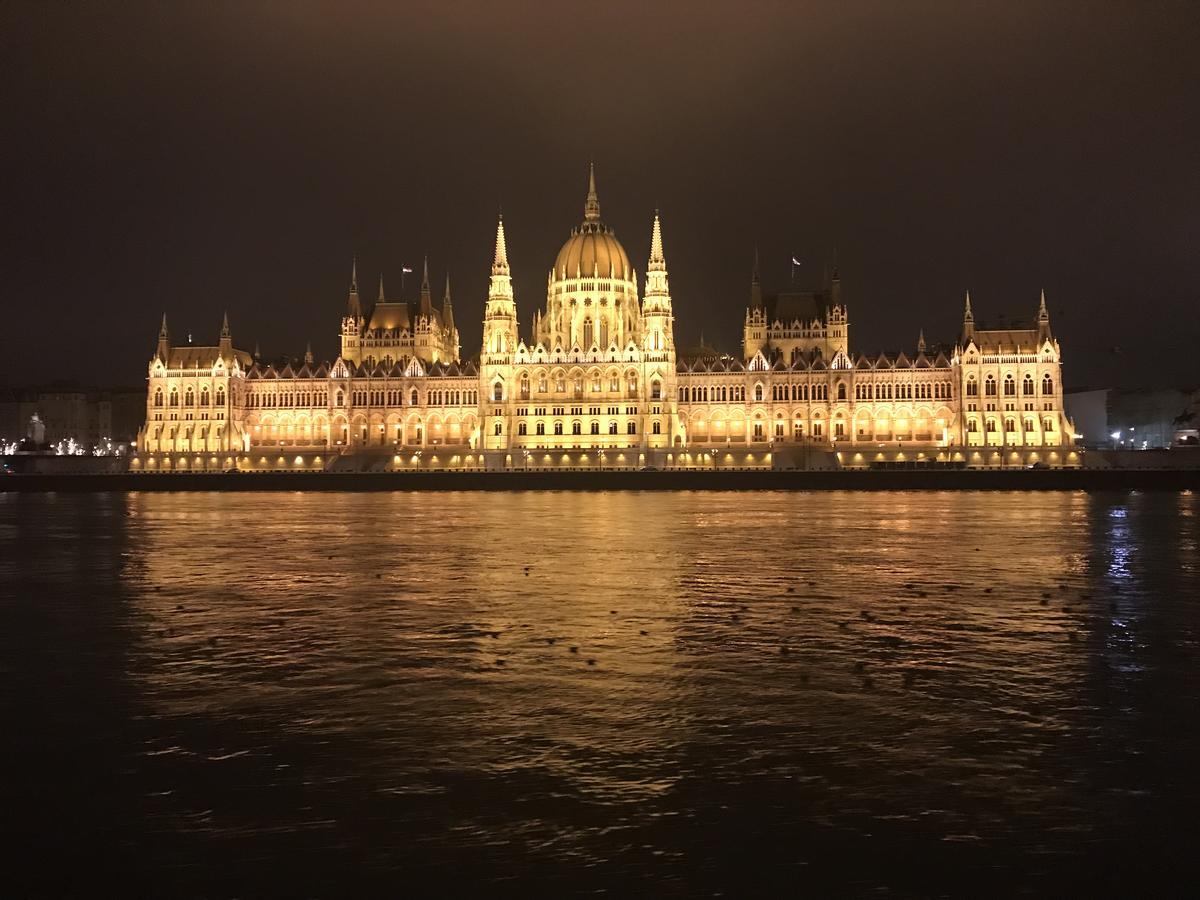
500	263
447	308
308	354
226	342
656	268
756	300
257	352
968	320
591	206
382	298
353	306
1043	318
426	295
921	341
164	340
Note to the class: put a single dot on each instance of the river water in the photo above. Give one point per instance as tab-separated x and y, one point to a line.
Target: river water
917	694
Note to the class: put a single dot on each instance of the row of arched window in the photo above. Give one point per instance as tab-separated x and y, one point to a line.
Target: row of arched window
576	428
189	397
1010	425
598	384
1010	386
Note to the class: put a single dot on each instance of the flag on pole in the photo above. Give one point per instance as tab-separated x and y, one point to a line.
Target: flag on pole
796	262
406	270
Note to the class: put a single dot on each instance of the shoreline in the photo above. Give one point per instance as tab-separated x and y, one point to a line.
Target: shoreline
674	480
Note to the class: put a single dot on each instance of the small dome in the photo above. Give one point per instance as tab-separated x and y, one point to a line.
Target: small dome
591	248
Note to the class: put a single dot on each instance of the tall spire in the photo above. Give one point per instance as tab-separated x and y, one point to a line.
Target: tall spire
225	325
968	320
226	341
591	207
447	307
381	298
308	354
1043	314
968	316
921	341
426	294
658	262
500	263
164	339
353	306
756	299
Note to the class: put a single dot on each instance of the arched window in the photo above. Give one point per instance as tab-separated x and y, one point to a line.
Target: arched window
1010	425
524	387
841	392
1049	424
340	397
587	332
612	427
603	332
972	387
989	387
576	428
541	384
631	428
1047	386
1010	386
413	398
158	397
558	428
189	399
656	389
521	428
204	396
498	392
595	428
758	393
1027	386
541	428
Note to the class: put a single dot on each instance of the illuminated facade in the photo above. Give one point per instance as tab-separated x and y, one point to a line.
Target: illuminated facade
598	382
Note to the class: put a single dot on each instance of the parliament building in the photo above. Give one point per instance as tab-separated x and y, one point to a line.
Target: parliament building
598	382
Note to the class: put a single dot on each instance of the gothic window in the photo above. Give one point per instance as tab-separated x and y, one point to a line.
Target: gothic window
989	388
204	397
1010	386
541	428
614	384
1049	424
656	390
521	428
1029	426
558	428
576	428
1027	386
612	427
631	428
972	426
758	393
499	428
524	387
603	331
841	394
158	397
587	332
657	429
542	384
413	398
972	387
189	399
1010	425
498	392
1047	385
633	385
991	426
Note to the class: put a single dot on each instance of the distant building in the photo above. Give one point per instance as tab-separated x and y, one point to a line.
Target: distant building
597	381
88	416
1088	409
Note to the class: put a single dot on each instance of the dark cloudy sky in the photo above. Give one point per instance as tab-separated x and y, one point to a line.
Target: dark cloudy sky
193	158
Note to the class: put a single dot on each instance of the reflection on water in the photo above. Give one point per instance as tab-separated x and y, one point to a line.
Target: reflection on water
687	692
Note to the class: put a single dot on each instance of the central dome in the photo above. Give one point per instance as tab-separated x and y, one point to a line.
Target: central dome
592	248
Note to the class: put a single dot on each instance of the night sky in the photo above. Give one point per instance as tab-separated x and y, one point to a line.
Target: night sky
195	158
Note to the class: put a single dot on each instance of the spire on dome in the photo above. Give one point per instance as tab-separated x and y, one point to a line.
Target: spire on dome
500	263
591	207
